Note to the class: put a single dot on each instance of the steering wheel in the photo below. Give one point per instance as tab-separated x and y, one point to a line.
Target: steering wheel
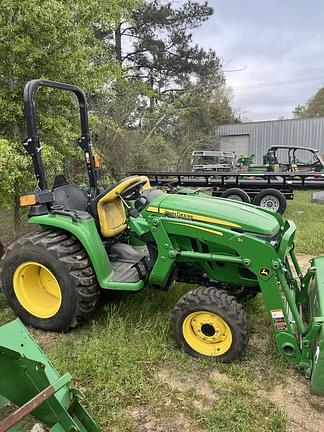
133	191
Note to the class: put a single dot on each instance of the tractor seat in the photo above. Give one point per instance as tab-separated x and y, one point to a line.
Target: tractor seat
109	210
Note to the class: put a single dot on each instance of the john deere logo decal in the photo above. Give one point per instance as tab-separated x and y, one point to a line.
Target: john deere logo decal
177	214
265	272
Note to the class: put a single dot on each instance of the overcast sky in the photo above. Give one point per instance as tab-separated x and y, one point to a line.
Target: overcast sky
279	43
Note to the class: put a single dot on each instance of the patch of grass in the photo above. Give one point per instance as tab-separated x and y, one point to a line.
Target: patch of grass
6	314
244	414
308	218
114	357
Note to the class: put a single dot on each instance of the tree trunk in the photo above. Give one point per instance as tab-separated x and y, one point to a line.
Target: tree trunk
152	98
118	47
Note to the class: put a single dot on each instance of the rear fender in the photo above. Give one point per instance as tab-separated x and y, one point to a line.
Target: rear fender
86	232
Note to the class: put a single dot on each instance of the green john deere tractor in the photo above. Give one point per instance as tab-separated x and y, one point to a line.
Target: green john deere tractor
132	235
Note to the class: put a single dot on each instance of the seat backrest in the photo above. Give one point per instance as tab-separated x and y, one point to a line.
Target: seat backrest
110	208
112	218
70	196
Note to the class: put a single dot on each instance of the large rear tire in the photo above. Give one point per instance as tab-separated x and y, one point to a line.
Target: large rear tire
210	324
49	281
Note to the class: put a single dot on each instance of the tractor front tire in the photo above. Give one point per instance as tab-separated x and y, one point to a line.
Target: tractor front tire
49	281
210	324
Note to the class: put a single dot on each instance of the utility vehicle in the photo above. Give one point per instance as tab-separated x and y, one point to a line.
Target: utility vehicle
287	158
132	235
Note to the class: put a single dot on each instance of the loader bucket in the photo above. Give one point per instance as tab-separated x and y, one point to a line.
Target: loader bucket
316	316
29	381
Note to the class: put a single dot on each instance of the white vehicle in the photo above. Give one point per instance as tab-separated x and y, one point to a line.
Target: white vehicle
212	160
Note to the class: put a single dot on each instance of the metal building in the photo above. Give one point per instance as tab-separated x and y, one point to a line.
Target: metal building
257	137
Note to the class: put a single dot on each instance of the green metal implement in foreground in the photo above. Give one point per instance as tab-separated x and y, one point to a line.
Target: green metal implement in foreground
132	235
315	299
29	381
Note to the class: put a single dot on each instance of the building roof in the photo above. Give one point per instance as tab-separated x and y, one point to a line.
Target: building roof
307	119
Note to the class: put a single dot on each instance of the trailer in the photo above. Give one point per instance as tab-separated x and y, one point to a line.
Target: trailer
269	190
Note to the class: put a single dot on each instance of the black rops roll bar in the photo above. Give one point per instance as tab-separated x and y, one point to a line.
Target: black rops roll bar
32	143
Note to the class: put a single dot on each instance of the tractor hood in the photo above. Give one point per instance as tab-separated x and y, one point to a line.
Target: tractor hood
217	211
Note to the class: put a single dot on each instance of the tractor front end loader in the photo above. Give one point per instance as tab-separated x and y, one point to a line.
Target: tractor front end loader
132	235
29	382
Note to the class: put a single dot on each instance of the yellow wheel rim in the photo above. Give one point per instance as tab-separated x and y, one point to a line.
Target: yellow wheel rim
207	333
37	289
